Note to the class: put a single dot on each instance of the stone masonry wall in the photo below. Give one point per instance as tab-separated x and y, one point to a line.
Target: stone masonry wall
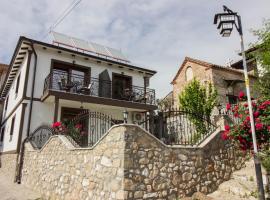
127	163
156	171
60	171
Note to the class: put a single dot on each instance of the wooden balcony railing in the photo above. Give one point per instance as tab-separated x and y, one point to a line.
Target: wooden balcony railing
78	84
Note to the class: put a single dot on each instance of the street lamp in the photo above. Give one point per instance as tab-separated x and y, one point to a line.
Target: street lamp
226	21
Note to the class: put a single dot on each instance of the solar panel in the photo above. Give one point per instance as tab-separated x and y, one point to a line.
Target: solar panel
81	44
90	47
100	49
116	53
62	39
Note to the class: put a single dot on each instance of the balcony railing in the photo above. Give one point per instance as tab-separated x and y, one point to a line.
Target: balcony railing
78	84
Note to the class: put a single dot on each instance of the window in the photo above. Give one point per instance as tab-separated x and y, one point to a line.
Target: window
232	99
2	134
12	128
18	84
6	102
189	74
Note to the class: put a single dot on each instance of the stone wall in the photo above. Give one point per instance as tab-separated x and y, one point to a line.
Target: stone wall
127	163
200	72
60	171
219	77
156	171
8	164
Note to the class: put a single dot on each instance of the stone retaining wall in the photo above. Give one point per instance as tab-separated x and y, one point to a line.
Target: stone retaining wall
127	163
60	171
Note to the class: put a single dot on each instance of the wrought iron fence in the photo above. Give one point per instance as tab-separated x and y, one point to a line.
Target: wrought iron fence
229	114
40	136
92	125
78	84
176	127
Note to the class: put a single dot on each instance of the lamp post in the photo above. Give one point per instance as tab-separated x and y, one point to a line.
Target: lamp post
226	21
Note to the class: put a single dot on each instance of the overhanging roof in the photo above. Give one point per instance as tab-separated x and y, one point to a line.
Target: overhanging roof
19	54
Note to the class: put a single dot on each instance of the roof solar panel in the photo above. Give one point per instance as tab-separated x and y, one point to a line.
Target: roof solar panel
116	53
91	47
100	49
62	39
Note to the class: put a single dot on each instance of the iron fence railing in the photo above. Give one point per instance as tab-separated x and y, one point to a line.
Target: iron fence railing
229	114
78	84
92	126
177	127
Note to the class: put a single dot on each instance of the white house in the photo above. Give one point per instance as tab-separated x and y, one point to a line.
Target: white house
52	82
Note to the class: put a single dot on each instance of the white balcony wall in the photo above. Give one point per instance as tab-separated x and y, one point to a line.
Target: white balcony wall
45	56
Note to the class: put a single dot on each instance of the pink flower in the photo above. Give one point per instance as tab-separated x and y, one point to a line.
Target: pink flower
225	135
248	118
256	114
236	114
241	95
227	127
56	124
78	126
259	126
246	105
228	106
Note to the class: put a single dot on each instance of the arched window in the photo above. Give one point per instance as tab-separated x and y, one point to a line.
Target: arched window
189	74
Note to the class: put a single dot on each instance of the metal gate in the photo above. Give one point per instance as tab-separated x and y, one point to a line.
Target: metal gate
94	126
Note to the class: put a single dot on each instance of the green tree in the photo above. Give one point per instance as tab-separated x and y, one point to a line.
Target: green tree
198	101
262	55
198	98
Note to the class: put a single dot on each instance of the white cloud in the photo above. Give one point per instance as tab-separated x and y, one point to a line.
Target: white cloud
154	33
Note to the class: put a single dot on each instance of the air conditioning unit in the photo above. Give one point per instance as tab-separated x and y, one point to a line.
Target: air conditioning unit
137	117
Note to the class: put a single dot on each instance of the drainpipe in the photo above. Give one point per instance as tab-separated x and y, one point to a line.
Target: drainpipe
20	164
32	91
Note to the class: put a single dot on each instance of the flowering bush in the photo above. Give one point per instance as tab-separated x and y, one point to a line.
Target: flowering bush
68	128
241	132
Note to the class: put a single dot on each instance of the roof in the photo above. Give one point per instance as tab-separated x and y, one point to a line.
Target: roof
3	67
206	64
24	44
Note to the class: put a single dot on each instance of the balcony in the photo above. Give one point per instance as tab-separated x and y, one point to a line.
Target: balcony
67	83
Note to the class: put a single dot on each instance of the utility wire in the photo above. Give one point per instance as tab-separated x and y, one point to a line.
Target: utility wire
64	14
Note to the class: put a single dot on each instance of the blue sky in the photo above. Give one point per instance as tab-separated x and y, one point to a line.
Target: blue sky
157	34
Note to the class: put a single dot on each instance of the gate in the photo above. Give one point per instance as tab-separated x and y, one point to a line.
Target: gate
176	127
40	136
93	126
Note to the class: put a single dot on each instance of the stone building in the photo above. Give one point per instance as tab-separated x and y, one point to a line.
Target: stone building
228	81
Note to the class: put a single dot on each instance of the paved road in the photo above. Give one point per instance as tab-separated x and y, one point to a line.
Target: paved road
13	191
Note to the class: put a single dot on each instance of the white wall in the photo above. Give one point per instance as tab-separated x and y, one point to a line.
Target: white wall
44	64
8	143
42	112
